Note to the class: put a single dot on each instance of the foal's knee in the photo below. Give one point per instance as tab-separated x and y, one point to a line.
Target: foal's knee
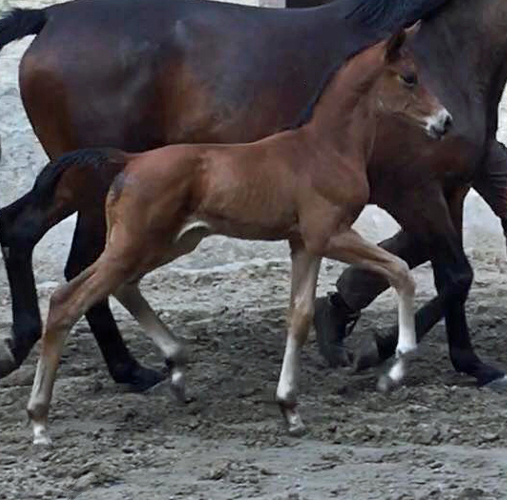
401	277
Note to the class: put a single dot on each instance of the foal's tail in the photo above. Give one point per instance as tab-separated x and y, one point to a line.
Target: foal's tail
18	23
93	171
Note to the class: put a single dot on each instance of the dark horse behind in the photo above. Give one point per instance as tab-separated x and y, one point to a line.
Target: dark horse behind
137	75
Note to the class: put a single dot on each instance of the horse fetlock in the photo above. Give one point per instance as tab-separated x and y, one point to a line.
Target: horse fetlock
176	380
8	362
403	350
286	397
37	410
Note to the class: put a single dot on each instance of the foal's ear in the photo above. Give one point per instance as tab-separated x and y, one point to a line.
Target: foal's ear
394	45
412	31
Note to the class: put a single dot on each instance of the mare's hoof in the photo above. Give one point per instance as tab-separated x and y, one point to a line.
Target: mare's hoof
7	361
141	379
332	324
367	355
498	385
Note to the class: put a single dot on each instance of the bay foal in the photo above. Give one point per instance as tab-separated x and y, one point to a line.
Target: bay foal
305	185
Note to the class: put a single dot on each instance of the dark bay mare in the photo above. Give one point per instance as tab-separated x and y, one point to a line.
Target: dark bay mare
137	75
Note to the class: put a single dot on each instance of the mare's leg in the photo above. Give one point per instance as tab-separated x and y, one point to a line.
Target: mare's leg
170	345
491	181
87	244
68	303
336	315
350	247
305	271
22	225
436	228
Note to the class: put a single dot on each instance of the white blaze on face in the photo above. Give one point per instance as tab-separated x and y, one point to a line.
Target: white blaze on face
6	252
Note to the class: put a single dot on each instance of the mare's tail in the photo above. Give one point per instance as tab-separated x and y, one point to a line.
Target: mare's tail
18	23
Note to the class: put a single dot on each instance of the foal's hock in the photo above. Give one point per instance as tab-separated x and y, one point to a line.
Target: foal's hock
306	185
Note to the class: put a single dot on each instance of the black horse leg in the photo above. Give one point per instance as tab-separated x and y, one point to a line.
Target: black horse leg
20	229
491	181
87	244
453	278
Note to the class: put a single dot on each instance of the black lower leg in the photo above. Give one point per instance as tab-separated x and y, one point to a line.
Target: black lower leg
21	227
453	278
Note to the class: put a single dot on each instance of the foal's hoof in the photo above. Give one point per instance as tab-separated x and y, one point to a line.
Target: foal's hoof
295	425
367	355
7	361
40	436
498	385
386	384
42	442
332	324
141	379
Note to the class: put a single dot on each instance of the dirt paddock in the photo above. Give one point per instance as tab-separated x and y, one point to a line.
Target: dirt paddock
438	437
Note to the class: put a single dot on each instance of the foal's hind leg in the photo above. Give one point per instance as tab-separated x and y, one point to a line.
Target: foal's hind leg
305	271
172	348
87	244
68	303
351	248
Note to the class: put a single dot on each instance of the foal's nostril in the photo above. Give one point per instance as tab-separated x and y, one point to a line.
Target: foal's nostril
447	123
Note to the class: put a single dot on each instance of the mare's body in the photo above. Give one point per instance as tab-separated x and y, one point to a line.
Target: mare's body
138	75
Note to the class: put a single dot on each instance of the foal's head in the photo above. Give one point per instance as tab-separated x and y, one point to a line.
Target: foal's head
400	92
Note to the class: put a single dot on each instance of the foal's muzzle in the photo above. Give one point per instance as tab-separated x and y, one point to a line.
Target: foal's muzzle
439	124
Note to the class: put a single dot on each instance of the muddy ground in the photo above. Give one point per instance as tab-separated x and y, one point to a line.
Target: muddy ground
438	437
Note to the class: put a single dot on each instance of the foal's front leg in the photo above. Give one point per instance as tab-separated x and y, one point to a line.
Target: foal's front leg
348	246
305	271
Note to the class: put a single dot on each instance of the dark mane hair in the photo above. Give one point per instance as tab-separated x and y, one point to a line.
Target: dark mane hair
390	15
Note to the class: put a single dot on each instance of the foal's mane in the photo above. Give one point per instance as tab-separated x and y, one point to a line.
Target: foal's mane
307	113
379	17
390	15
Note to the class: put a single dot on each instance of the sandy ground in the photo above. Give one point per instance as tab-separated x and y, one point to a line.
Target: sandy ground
436	438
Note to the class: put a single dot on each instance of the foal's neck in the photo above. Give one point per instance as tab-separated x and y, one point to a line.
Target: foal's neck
344	118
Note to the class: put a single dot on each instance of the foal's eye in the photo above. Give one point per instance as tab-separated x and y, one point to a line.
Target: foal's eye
410	79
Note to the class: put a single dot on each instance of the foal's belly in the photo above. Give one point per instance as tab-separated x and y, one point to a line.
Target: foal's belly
250	230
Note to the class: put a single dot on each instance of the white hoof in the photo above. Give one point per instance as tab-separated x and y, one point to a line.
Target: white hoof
41	436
